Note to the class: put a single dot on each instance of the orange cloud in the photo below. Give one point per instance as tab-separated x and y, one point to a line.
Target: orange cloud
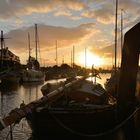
47	37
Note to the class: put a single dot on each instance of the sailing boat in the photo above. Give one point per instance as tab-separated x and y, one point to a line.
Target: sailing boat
112	83
33	72
9	64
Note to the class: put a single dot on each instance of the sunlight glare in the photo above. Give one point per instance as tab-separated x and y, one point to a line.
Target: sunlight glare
91	59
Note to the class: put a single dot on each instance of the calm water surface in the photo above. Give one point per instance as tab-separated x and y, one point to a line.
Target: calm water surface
11	96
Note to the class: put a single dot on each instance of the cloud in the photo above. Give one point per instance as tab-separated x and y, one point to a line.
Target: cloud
12	8
18	41
89	34
103	51
62	13
104	12
75	17
129	5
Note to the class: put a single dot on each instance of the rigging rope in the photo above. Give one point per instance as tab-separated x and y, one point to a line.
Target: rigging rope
109	131
12	127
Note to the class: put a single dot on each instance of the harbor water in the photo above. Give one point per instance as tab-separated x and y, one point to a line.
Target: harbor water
11	96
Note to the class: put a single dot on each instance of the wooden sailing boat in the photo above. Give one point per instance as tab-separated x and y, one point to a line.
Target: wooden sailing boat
33	72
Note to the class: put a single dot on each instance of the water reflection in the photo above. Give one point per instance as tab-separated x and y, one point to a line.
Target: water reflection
30	91
5	88
11	96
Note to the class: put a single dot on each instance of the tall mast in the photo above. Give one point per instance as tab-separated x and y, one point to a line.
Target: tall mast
121	30
29	45
116	20
36	40
56	54
2	44
2	40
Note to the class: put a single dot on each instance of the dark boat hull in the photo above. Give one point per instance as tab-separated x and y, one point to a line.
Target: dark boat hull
63	123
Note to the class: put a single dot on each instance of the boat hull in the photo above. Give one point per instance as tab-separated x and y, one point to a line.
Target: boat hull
26	79
64	123
10	79
32	76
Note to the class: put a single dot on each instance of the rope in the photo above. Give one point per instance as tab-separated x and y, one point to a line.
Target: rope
109	131
9	132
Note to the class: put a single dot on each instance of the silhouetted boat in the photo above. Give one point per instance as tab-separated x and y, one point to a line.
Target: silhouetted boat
83	109
9	64
32	75
33	72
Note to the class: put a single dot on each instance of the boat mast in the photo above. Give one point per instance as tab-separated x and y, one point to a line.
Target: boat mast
2	44
29	46
36	40
116	20
56	54
121	30
115	65
2	40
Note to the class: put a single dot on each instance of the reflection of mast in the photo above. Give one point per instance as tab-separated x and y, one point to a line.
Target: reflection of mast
36	87
30	94
2	103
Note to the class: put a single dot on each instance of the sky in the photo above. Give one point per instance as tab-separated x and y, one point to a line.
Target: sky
85	25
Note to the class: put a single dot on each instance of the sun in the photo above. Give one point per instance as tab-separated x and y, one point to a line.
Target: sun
88	59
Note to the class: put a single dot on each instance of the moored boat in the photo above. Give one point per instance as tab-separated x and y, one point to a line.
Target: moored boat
9	64
81	110
33	72
32	75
